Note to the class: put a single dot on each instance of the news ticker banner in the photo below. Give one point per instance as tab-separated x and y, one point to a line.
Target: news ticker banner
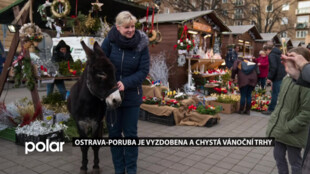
180	141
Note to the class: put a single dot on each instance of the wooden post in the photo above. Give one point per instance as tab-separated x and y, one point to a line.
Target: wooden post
10	56
13	47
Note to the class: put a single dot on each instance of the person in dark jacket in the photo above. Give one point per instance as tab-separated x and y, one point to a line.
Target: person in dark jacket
61	53
127	49
231	56
289	123
246	83
300	73
275	75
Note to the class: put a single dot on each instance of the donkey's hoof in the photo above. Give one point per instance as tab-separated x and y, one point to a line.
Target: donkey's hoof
96	171
83	171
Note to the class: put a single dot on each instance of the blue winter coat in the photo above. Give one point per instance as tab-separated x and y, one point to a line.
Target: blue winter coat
132	67
231	57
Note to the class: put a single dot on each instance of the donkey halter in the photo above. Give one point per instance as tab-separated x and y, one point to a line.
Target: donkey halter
115	88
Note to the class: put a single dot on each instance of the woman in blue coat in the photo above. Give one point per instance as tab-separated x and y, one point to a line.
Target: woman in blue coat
127	48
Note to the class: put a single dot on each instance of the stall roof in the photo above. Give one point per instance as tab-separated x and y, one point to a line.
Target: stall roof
108	9
268	36
185	16
241	29
296	43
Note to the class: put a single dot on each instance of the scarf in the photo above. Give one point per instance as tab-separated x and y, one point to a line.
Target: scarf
123	42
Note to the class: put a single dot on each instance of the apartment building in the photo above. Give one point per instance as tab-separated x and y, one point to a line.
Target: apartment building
302	20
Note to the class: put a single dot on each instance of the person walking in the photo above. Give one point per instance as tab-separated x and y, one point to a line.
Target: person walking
247	82
263	64
231	56
289	123
127	48
299	71
275	75
62	53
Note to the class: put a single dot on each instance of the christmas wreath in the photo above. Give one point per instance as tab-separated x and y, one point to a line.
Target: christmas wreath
30	34
42	10
152	35
57	8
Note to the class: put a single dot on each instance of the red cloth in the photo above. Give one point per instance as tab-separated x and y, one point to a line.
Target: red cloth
263	67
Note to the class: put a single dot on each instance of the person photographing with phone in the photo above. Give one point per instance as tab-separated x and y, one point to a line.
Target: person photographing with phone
298	67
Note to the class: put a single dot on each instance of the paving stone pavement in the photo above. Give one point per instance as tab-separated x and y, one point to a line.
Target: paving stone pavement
156	160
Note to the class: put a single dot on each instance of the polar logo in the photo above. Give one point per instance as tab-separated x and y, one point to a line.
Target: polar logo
44	146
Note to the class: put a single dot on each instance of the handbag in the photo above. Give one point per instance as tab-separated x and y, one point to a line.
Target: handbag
257	70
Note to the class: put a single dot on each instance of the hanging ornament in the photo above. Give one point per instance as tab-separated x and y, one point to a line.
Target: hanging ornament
97	5
92	25
42	9
60	8
30	34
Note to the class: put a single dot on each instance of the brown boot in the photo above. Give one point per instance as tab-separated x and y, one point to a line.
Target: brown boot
247	109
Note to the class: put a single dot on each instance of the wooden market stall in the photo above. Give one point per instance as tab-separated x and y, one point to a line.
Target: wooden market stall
242	35
265	38
204	27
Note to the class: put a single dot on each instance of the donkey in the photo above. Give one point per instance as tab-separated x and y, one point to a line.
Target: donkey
90	97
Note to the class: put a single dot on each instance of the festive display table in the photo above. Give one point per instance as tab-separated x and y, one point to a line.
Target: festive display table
167	115
155	91
60	78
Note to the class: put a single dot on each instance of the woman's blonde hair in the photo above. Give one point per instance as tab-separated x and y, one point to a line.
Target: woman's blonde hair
262	52
125	17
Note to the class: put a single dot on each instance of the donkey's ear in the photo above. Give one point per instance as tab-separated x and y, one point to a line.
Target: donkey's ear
87	50
98	50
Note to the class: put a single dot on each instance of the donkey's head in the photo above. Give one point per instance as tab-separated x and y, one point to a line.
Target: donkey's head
101	76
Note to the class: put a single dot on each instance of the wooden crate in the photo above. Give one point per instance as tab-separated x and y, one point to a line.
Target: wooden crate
228	108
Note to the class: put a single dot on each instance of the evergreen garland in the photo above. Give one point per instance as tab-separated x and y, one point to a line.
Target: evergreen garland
24	71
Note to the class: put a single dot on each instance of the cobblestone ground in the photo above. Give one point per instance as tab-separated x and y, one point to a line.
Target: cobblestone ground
163	160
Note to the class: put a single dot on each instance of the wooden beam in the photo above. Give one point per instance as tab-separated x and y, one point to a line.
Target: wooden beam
18	14
13	47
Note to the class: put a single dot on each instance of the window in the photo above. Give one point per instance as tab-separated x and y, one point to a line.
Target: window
238	23
224	1
303	4
284	21
225	13
283	34
239	2
253	10
302	19
301	33
167	10
238	11
285	7
269	8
